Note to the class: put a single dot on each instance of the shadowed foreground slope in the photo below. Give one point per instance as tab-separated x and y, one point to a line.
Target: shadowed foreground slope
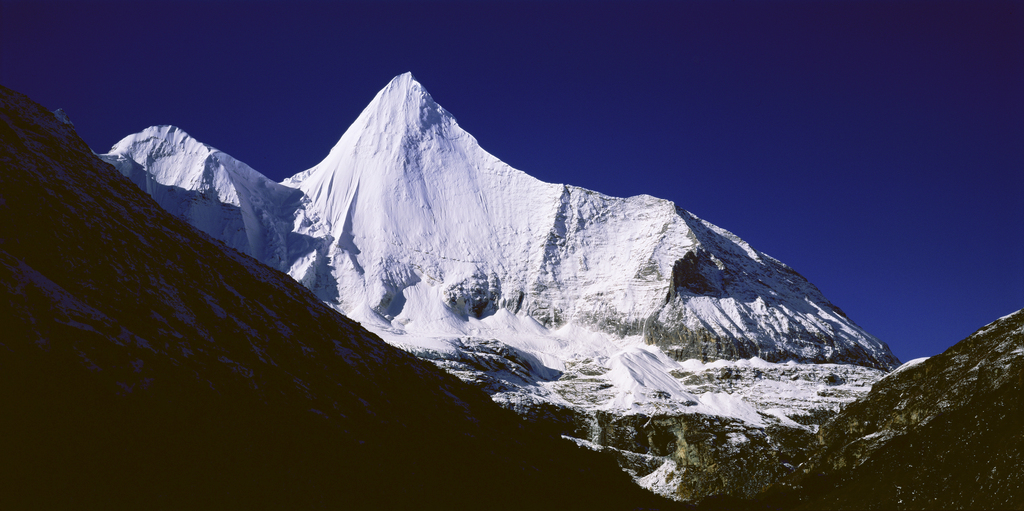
943	433
144	365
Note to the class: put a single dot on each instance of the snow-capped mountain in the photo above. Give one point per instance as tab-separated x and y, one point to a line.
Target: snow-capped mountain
564	304
410	226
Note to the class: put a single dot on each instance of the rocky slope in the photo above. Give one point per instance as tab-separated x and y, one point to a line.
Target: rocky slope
937	433
145	365
756	422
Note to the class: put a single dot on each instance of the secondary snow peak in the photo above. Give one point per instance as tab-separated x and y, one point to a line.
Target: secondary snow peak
218	194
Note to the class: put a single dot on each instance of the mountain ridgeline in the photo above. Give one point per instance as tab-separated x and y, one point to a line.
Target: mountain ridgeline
409	226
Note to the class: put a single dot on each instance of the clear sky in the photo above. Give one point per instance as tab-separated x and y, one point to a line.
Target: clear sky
876	148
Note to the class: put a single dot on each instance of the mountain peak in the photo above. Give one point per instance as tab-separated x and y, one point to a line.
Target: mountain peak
401	115
404	86
165	133
405	81
401	136
404	102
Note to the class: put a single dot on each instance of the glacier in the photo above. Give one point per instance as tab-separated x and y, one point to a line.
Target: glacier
548	296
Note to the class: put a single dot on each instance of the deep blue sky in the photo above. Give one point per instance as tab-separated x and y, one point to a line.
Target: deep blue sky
877	148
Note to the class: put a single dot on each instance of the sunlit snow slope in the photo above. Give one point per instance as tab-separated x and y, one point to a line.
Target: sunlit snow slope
220	195
410	227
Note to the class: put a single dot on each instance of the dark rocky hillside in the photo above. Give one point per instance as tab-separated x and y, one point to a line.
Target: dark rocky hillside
942	434
145	366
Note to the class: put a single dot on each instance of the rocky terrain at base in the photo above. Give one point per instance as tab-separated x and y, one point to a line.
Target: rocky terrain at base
755	421
766	427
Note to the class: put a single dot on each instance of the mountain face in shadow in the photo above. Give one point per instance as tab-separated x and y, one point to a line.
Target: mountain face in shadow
937	433
145	365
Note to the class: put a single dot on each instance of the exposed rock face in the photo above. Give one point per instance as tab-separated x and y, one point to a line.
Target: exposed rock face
756	293
708	455
144	365
937	433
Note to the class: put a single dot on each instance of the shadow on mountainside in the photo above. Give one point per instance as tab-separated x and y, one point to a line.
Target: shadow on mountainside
144	365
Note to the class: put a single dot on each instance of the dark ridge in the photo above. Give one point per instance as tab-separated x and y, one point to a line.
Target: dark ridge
144	365
943	434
